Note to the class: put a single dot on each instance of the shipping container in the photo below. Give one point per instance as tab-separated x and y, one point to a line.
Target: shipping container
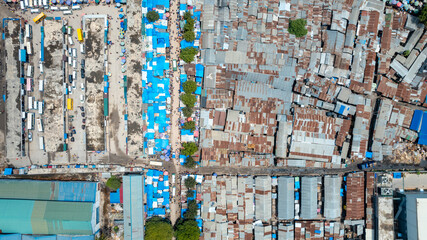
30	71
80	34
29	48
70	104
21	3
30	103
41	106
82	48
29	84
70	40
23	55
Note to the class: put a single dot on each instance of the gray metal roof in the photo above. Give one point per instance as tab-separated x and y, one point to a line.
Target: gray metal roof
332	202
286	232
309	197
286	198
133	207
408	217
263	200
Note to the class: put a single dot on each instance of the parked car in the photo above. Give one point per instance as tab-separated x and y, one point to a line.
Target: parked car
74	131
82	108
82	73
72	139
83	114
84	120
30	136
366	165
83	126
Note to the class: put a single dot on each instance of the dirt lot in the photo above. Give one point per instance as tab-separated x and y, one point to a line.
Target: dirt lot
13	103
134	39
94	85
53	92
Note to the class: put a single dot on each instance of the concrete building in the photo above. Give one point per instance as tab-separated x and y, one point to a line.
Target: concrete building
385	221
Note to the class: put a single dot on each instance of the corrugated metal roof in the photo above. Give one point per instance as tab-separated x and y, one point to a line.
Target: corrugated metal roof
48	190
286	198
309	197
133	207
263	198
46	217
332	197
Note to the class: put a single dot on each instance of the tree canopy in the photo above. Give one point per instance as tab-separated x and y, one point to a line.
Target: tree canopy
189	36
187	111
189	162
190	182
187	54
191	125
158	228
188	99
152	16
187	15
191	211
189	86
189	148
187	230
114	183
406	53
423	15
297	27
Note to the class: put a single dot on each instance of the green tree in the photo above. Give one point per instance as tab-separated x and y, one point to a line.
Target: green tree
189	162
406	53
297	27
191	125
101	237
158	228
191	212
189	36
188	99
187	15
189	86
152	16
190	182
423	15
190	193
189	25
116	229
187	54
189	148
114	183
187	230
187	111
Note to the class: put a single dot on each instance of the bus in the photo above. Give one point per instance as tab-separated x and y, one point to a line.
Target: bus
39	18
79	34
29	49
40	107
30	121
41	85
41	142
30	102
29	84
28	31
40	124
174	65
70	104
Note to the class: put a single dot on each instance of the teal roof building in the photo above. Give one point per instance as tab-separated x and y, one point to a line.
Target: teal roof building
49	207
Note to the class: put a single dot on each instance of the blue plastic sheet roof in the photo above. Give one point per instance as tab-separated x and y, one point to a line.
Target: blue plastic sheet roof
10	236
32	237
115	196
198	90
199	70
8	171
185	44
183	7
416	120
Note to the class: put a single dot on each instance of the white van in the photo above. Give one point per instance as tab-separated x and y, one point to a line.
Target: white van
54	8
73	84
30	71
41	67
76	7
26	3
68	12
40	3
41	85
63	8
70	60
74	63
28	31
21	3
70	40
74	53
35	10
82	86
69	30
82	98
82	48
74	75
